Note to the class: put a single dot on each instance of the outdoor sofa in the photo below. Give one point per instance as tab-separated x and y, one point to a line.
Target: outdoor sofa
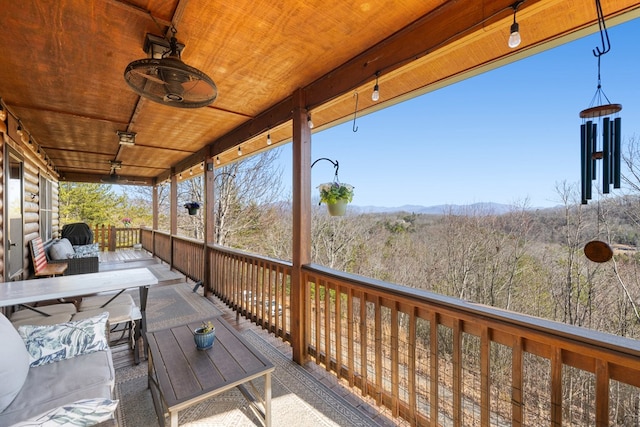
56	372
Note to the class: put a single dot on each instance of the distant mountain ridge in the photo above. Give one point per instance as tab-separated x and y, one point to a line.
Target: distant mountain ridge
488	208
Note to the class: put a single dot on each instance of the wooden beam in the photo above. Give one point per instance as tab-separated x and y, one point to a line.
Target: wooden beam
301	244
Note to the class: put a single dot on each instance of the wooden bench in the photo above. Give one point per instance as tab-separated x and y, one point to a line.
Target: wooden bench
40	265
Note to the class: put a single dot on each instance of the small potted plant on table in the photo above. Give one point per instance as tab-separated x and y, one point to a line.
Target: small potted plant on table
204	335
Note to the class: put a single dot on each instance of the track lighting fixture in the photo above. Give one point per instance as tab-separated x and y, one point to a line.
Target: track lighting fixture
126	138
514	37
375	95
268	139
309	122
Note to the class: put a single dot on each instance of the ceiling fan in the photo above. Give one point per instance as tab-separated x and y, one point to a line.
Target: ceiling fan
114	178
165	79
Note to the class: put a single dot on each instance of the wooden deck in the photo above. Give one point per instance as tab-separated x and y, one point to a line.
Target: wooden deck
129	258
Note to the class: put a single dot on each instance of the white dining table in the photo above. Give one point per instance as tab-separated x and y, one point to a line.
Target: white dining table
31	291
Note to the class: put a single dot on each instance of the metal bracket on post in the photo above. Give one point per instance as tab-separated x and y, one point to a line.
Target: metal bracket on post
335	164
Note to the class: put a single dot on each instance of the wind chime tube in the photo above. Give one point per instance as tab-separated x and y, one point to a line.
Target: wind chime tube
589	158
606	155
616	152
593	150
583	163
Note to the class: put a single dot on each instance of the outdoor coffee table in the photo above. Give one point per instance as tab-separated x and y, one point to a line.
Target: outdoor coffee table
181	376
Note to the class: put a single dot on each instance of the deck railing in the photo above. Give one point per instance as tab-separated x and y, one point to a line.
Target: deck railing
434	360
111	237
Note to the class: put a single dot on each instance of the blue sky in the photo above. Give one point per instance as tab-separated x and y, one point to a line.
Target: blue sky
504	136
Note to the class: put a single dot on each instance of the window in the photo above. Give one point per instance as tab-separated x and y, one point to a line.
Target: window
46	214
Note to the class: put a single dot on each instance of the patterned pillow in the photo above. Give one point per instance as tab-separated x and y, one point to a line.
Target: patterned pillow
85	251
85	412
51	343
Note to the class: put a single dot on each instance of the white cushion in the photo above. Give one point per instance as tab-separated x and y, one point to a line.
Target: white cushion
118	313
97	301
14	362
85	412
62	249
47	344
51	310
42	320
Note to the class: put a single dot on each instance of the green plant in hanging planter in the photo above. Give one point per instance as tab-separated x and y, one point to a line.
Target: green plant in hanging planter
333	192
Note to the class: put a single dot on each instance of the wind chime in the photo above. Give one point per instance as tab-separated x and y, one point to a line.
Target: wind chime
603	115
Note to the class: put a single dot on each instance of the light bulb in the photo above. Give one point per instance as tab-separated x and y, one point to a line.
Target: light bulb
268	139
218	160
3	113
309	122
24	138
19	130
239	151
180	176
202	166
375	95
191	171
514	38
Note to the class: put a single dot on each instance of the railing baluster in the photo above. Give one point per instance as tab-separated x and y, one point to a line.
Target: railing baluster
602	393
378	347
516	383
350	338
556	387
457	372
485	378
364	340
433	409
411	374
395	374
338	329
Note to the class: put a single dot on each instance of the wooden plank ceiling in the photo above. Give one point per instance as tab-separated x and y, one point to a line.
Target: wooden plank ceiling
62	65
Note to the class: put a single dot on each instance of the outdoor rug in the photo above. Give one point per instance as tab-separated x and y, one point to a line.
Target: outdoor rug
297	398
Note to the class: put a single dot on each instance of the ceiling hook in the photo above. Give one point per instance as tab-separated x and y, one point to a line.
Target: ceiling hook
355	112
604	34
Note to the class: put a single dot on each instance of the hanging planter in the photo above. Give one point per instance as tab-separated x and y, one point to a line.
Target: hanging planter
192	207
336	196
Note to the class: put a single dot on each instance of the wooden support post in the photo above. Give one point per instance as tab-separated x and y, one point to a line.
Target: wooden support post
209	222
301	245
174	213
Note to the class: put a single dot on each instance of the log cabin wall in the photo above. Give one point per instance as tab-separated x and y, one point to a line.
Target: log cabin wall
3	140
34	167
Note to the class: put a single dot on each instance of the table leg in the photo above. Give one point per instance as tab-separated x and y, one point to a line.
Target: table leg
144	293
173	421
267	399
